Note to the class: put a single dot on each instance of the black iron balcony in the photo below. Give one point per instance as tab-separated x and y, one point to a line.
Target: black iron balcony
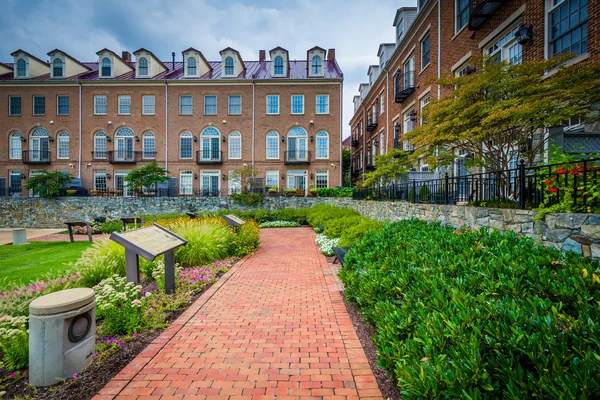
370	164
372	123
354	142
297	157
481	10
36	157
123	156
211	157
404	85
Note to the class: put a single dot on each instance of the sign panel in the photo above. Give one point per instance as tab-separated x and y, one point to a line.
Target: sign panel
149	242
234	220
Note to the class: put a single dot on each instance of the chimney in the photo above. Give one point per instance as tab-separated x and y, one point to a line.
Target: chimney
126	56
262	55
173	55
331	54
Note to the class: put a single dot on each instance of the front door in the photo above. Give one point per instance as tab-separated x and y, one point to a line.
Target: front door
210	149
39	149
124	146
210	185
297	148
121	183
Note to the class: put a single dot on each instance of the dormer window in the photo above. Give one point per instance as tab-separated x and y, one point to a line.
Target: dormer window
57	68
278	65
191	66
229	66
21	68
143	67
106	68
400	29
316	65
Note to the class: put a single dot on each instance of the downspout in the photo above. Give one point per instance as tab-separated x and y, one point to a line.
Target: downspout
80	133
253	129
387	116
166	125
439	46
342	133
364	135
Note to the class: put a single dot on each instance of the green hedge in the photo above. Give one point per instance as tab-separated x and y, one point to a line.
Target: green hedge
478	314
335	192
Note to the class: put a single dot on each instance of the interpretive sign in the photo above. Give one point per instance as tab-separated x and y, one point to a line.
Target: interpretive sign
149	243
233	220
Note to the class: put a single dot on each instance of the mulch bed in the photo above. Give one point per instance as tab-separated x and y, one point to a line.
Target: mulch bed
89	382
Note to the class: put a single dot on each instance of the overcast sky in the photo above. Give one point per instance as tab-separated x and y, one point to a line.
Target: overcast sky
355	28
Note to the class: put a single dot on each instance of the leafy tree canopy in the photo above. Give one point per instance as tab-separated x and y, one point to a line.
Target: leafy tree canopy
390	167
147	176
48	184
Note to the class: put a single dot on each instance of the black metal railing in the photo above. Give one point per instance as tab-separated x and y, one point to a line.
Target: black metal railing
213	157
36	157
521	187
297	157
354	143
404	85
481	11
123	156
372	123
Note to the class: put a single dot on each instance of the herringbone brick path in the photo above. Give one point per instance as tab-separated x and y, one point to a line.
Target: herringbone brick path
274	327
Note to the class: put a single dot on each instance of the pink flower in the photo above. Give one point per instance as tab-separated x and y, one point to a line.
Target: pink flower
135	335
13	374
74	375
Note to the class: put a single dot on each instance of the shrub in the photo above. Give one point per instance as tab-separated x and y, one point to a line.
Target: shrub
321	213
158	273
290	214
246	239
424	193
335	192
326	244
104	259
248	199
477	314
279	224
118	303
109	226
14	342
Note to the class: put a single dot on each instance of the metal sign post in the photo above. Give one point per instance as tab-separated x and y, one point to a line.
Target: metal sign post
149	243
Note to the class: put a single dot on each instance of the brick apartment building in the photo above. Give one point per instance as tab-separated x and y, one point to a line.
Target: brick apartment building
440	37
200	119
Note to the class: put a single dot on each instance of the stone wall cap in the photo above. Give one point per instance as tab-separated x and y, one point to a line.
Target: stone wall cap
63	301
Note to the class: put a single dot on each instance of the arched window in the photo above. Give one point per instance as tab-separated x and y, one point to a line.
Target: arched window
124	145
235	145
185	145
296	145
316	65
278	65
322	145
229	66
15	145
148	145
210	144
62	145
100	145
191	66
39	147
106	67
273	145
21	68
143	67
57	68
39	133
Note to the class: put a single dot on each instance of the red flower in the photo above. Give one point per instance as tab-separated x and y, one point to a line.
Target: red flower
548	181
573	172
552	190
561	171
580	168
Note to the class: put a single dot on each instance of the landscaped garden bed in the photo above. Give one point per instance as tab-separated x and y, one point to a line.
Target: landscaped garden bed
129	316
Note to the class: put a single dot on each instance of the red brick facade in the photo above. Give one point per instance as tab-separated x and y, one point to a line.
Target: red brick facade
438	17
167	123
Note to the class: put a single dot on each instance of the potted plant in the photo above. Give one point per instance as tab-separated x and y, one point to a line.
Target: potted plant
118	192
313	192
300	193
289	192
273	192
71	192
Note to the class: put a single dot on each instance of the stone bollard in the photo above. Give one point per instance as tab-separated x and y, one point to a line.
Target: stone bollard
62	335
19	236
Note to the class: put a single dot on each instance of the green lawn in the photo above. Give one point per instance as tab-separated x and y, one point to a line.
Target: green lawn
34	261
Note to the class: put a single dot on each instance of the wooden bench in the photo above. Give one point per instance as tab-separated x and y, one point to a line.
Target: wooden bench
340	253
132	220
71	224
192	215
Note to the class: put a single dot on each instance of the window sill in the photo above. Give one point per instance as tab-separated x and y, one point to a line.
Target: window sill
147	115
572	61
234	115
39	115
15	115
99	114
63	115
186	115
424	68
125	114
297	113
459	32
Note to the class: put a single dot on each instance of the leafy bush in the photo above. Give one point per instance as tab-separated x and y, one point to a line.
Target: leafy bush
326	244
248	199
101	261
246	238
118	303
335	192
48	184
14	342
477	314
110	226
158	273
321	213
424	193
279	224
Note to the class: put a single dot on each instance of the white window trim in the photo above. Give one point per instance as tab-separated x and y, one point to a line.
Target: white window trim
292	104
328	145
326	174
548	8
192	103
58	105
58	137
33	105
211	172
179	143
105	146
278	104
267	147
317	104
186	173
9	108
187	74
123	96
421	42
271	174
229	104
458	29
11	136
216	103
154	104
154	137
139	75
229	146
96	104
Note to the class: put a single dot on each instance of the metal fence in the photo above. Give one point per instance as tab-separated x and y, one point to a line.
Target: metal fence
522	186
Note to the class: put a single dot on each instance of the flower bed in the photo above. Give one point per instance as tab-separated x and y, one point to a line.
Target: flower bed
279	224
326	244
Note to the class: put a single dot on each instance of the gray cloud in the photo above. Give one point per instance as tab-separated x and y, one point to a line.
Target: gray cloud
355	28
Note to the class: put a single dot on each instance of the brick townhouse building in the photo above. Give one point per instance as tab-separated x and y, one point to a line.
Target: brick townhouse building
440	37
200	119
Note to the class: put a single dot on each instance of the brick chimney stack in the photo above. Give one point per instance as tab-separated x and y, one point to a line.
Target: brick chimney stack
331	54
262	55
126	56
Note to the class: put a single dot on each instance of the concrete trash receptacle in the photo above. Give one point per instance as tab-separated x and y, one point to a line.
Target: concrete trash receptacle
19	236
62	335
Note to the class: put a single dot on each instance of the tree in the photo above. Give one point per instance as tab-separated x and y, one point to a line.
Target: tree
246	176
346	163
48	184
148	176
503	108
389	168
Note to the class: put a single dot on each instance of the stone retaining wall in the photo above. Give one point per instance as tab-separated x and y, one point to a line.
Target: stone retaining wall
575	232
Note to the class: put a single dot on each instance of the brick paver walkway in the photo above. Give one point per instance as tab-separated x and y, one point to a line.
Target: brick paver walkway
274	327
